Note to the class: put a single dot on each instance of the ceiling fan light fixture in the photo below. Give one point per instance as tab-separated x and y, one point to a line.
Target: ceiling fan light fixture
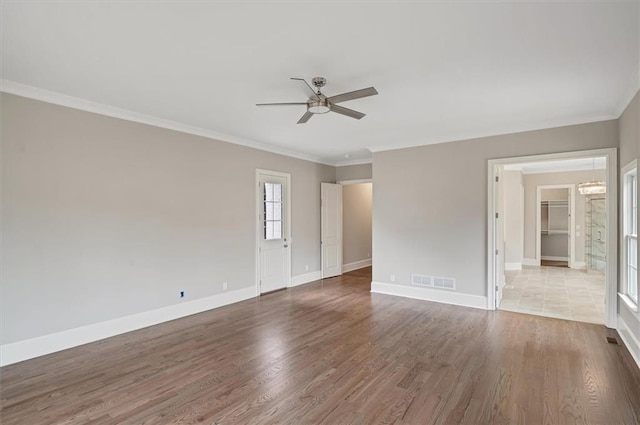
318	107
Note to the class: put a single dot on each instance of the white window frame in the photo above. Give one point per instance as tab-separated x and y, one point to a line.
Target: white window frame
630	231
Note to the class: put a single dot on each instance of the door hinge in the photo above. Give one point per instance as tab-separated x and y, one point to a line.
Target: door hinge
496	252
497	215
496	288
497	179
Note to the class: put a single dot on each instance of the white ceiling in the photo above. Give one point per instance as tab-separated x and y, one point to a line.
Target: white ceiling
445	71
561	165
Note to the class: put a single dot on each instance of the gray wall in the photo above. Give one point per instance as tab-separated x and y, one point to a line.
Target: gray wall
104	218
356	222
430	202
629	124
531	182
354	172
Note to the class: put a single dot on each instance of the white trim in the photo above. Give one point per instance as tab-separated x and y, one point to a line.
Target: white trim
353	162
611	271
356	265
428	294
572	222
258	234
43	95
630	169
35	347
513	266
357	181
302	279
629	339
530	262
552	258
629	302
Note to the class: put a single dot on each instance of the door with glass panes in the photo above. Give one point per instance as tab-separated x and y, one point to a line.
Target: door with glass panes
273	231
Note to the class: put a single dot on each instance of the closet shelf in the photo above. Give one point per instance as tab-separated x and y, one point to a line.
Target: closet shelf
554	232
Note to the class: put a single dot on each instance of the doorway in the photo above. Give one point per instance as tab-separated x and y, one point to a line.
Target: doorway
346	226
273	230
556	291
556	224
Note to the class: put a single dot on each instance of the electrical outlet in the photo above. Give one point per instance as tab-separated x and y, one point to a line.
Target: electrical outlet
368	255
393	278
224	286
181	294
306	268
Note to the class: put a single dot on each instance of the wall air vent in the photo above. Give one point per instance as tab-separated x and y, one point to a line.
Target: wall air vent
421	280
433	282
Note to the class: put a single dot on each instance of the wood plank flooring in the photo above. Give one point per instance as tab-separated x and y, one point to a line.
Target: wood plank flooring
331	352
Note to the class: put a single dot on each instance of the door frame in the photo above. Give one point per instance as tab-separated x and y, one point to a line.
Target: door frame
572	220
258	222
611	271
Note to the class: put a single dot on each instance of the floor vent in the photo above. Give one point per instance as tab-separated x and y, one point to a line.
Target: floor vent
433	282
612	340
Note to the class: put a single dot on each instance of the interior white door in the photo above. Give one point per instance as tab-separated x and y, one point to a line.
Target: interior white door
273	232
499	237
331	229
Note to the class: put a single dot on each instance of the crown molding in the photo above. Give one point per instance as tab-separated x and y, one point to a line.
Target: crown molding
353	162
31	92
512	130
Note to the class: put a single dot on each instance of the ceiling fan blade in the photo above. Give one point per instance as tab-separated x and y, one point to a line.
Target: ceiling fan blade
305	117
346	111
281	104
353	95
307	88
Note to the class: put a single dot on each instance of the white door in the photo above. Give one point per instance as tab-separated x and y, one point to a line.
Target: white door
273	231
331	229
499	237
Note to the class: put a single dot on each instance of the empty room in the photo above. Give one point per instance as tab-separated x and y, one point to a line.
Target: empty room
359	212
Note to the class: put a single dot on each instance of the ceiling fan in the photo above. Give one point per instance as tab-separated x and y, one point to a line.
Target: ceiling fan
318	103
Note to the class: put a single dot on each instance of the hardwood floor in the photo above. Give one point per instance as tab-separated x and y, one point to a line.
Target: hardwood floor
331	352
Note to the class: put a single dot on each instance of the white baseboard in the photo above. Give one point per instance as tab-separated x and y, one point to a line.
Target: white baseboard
429	294
35	347
301	279
629	339
552	258
356	265
530	262
580	265
513	266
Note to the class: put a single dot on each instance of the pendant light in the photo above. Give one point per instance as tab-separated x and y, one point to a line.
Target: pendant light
593	187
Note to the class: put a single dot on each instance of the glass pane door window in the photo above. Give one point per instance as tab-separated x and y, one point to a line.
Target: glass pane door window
272	211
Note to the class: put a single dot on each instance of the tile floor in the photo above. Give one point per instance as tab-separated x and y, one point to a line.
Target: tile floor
557	292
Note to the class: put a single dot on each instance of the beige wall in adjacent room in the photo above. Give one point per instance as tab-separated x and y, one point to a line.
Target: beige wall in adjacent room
354	172
104	218
430	202
513	216
356	222
531	183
